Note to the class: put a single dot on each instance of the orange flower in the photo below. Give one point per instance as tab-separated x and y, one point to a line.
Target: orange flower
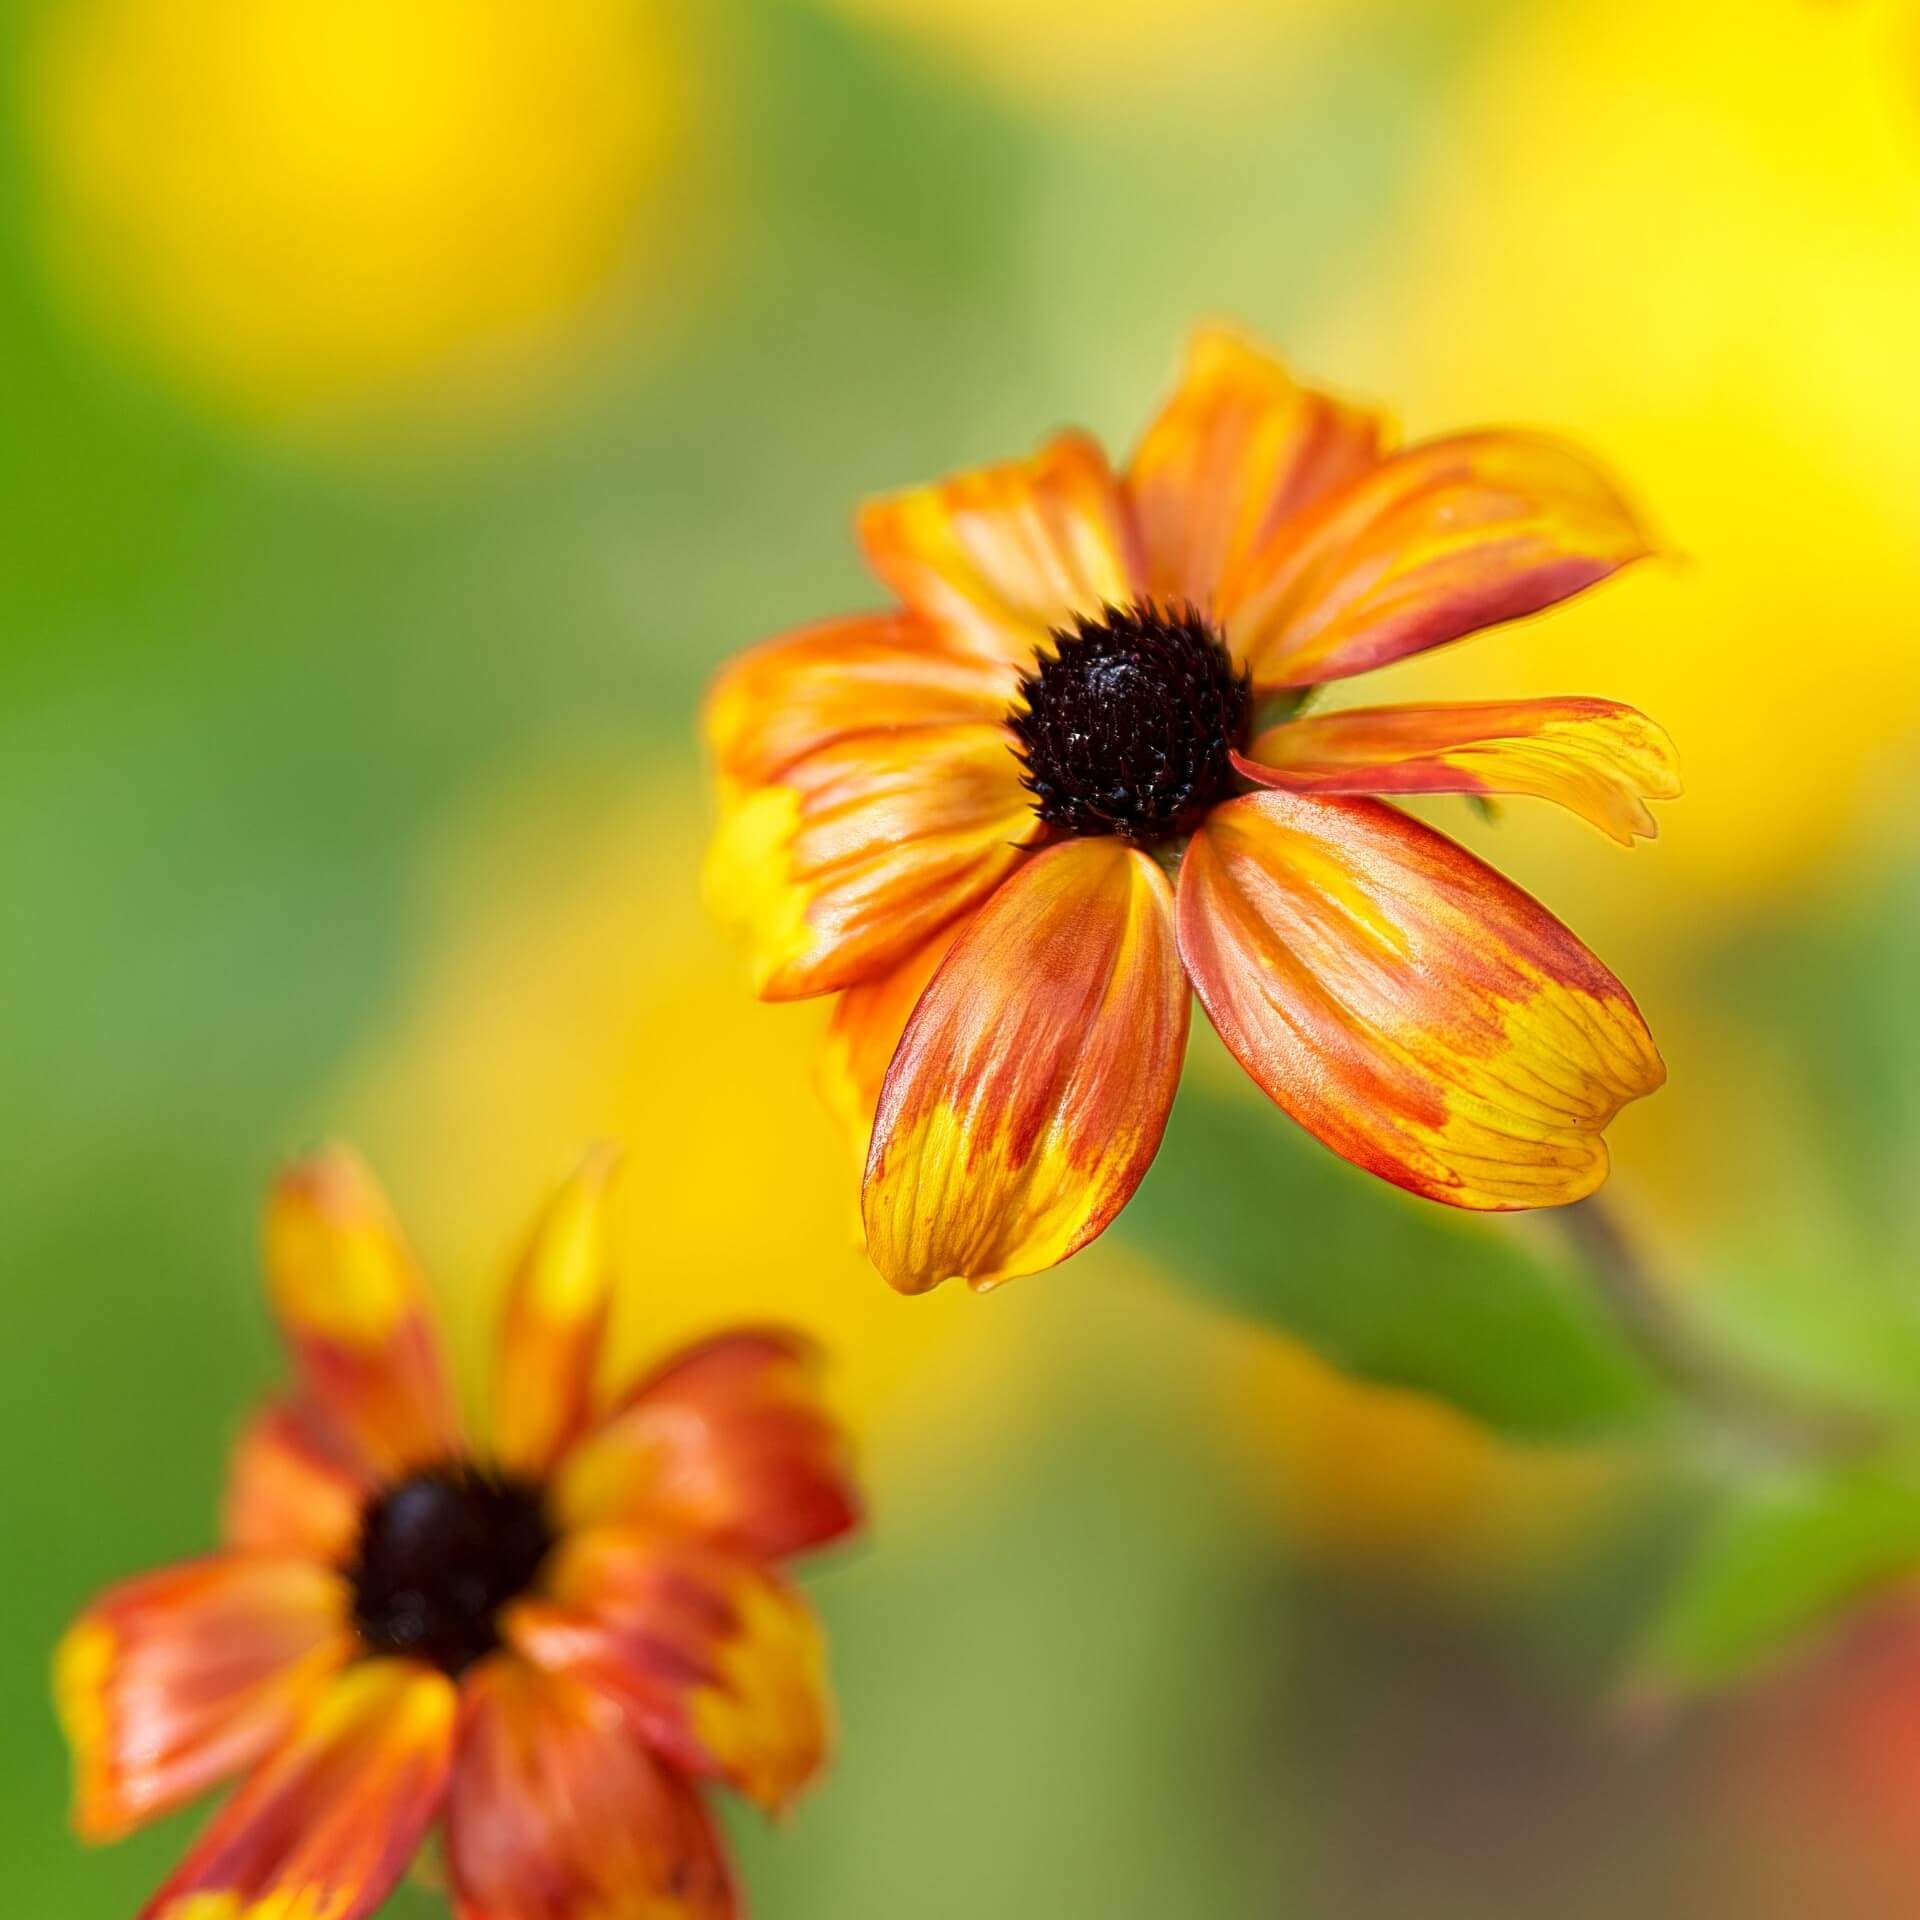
1011	819
550	1645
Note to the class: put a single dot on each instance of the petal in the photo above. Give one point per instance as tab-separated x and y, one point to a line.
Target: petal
1421	1015
1000	557
170	1682
1436	542
720	1663
868	1020
873	673
291	1488
1602	759
1238	449
731	1441
351	1304
1029	1092
329	1823
559	1812
865	849
555	1315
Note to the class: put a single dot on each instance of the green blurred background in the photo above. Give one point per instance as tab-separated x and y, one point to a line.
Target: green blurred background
410	402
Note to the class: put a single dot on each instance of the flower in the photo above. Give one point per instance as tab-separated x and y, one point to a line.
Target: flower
967	816
549	1644
305	212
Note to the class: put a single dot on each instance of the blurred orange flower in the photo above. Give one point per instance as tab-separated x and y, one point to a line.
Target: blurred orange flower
961	815
1819	1766
548	1643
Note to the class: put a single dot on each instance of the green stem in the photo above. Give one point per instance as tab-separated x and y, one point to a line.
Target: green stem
1778	1414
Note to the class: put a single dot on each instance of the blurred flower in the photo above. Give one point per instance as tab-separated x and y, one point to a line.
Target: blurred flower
1379	1481
303	208
961	814
1720	282
1818	1769
549	1641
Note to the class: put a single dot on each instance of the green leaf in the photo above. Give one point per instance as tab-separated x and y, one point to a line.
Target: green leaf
1246	1207
1774	1561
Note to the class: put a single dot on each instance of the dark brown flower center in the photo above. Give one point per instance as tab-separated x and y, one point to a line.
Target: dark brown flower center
1127	724
440	1553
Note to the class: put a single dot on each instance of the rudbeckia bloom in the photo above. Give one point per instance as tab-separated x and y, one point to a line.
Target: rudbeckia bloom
1010	819
550	1644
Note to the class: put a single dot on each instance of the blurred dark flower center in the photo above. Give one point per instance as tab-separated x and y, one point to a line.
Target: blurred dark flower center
439	1554
1127	725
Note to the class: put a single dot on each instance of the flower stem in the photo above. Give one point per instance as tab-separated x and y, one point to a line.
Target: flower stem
1777	1414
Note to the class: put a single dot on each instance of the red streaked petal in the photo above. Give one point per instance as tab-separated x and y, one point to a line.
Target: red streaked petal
1001	556
553	1321
731	1441
864	850
1030	1089
1438	541
870	673
291	1488
1239	448
351	1303
170	1682
1603	760
559	1812
868	1020
1421	1015
720	1662
327	1825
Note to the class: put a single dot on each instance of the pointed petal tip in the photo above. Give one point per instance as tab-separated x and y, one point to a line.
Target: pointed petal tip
1602	760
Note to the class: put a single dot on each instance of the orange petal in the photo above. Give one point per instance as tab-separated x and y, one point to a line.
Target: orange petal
559	1812
1239	448
730	1440
351	1304
1421	1015
872	673
1603	760
1002	556
868	1020
1438	541
1029	1092
170	1682
556	1313
291	1488
862	851
720	1663
328	1824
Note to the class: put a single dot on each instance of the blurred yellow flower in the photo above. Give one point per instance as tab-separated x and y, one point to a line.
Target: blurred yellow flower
1693	230
301	208
1374	1480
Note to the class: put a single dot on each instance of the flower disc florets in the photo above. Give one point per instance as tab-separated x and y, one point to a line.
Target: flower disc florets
440	1553
1128	725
